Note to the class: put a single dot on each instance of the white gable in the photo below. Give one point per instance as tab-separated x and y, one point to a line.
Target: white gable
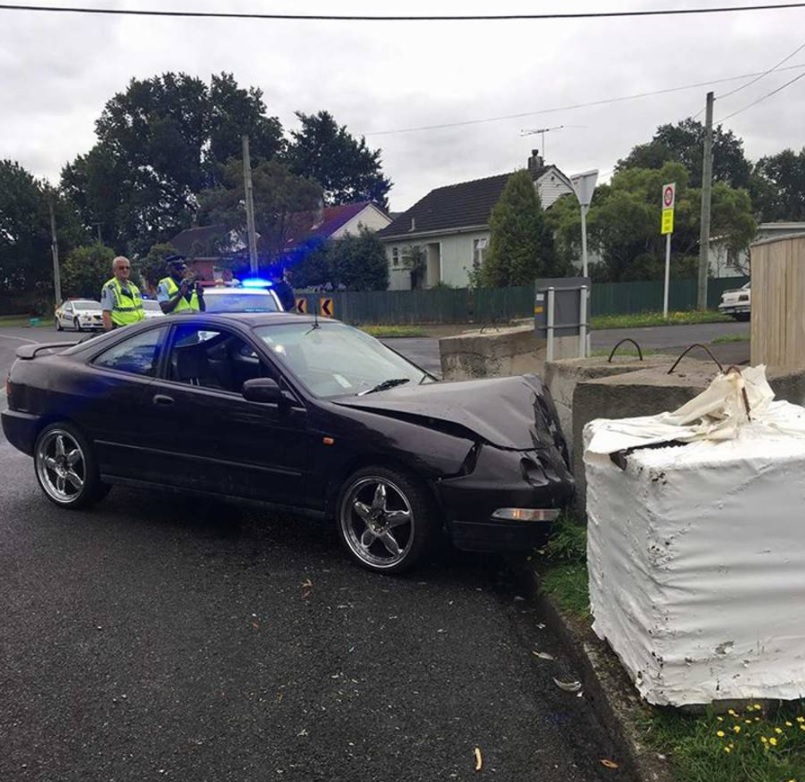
370	217
551	186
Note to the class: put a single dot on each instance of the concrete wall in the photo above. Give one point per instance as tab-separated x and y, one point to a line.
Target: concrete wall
562	377
499	352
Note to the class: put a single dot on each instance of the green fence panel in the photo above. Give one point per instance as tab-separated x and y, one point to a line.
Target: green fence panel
497	305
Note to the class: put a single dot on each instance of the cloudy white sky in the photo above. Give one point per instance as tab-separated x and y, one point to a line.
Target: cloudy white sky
382	79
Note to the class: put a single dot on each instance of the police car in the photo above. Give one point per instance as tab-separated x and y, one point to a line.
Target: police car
253	295
78	315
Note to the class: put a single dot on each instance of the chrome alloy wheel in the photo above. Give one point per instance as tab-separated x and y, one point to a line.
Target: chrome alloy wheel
61	466
377	522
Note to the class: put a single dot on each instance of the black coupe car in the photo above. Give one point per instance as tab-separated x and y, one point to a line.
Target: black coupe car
312	416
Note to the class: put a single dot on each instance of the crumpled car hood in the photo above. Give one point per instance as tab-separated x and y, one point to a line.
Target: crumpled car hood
509	412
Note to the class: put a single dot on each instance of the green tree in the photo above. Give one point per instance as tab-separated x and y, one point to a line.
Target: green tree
151	268
624	224
521	245
359	262
347	170
778	186
684	143
283	203
25	236
85	270
309	265
160	143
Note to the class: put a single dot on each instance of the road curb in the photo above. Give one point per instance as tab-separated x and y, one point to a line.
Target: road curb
607	688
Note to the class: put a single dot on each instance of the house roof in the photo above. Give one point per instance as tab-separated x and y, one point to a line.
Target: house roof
206	236
305	226
465	205
453	206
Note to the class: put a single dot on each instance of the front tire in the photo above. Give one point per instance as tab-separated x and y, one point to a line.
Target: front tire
66	467
386	519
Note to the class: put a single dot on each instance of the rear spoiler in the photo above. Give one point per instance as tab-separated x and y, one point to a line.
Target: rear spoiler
30	351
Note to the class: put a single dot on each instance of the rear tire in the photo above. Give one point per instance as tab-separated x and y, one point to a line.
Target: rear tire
66	467
386	519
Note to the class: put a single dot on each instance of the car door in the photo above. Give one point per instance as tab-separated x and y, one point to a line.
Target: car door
222	442
66	315
115	405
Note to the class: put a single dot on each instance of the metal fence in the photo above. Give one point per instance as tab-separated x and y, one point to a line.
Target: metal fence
496	305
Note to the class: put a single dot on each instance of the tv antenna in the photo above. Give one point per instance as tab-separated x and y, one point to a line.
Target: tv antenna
543	131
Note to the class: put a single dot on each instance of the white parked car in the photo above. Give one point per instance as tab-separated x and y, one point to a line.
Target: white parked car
737	302
152	309
79	315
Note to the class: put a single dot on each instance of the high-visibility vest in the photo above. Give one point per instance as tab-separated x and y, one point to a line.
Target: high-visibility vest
126	309
184	305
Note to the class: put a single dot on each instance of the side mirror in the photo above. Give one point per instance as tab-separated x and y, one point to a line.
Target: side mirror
262	389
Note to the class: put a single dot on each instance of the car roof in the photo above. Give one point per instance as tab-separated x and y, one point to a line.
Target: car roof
221	290
251	319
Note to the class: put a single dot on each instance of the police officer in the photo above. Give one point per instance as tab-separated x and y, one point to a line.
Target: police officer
121	302
179	292
282	288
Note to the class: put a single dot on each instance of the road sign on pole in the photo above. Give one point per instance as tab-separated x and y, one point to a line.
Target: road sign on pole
584	186
666	229
326	308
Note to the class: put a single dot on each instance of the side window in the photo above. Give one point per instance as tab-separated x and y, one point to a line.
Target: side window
213	358
68	307
138	355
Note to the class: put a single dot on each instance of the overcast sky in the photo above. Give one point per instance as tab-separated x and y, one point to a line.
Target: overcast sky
381	79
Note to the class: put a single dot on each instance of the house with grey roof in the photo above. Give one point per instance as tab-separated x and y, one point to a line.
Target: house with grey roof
442	237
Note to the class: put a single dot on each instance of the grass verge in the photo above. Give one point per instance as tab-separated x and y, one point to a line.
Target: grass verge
18	321
642	319
731	338
752	744
385	332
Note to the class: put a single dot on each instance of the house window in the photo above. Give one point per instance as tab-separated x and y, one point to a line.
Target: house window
478	248
395	256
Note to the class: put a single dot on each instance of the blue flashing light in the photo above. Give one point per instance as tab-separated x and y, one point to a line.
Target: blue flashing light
256	282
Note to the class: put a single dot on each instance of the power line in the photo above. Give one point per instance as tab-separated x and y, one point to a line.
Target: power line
762	75
762	98
355	18
757	78
572	106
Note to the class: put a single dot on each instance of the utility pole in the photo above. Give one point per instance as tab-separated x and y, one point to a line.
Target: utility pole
54	249
247	187
707	191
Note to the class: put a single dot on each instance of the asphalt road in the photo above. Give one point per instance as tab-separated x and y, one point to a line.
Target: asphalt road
157	638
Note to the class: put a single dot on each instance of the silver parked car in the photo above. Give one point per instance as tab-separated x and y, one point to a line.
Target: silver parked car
737	302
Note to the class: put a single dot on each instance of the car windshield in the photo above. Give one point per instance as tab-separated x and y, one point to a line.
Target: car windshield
86	304
333	359
238	301
150	304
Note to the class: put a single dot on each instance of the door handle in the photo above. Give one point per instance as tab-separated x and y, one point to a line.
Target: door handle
163	399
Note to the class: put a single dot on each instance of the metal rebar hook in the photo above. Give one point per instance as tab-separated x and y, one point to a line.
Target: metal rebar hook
688	349
625	339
